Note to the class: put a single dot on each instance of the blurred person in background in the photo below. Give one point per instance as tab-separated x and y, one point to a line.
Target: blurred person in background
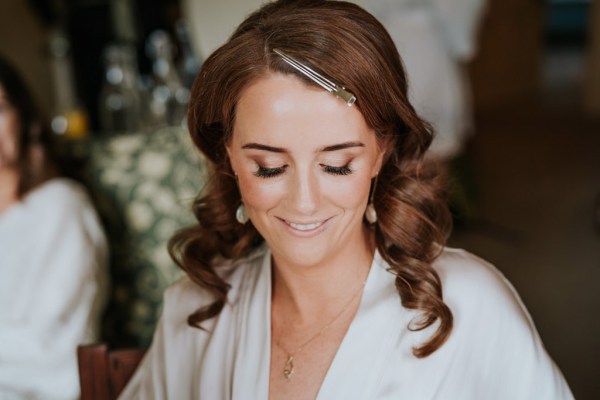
53	257
436	38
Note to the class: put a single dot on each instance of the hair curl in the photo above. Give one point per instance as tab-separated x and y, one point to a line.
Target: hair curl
343	41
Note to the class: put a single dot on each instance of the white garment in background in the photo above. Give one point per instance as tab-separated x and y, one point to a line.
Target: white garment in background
212	22
435	39
494	351
53	283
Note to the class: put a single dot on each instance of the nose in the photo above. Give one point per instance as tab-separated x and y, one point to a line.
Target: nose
304	193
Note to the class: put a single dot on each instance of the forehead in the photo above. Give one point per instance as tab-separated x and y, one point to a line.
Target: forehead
281	110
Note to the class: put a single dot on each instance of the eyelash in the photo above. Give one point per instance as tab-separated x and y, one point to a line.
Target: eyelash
344	170
263	172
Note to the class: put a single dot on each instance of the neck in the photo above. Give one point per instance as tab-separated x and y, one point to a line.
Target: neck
307	291
9	183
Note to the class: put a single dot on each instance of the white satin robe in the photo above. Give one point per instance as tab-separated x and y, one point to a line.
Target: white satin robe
494	351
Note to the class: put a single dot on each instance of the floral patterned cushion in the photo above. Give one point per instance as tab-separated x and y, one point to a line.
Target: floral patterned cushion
144	184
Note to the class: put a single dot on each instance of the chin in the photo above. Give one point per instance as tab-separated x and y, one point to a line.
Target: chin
301	254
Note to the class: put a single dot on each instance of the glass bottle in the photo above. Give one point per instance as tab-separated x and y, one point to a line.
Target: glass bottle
120	102
169	97
69	119
190	64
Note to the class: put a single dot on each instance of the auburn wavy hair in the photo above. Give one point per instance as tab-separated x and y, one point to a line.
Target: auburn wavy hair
342	41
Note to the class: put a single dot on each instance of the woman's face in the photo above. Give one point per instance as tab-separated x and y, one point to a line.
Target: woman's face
9	131
304	161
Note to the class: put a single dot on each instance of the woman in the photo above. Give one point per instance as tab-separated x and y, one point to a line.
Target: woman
52	257
317	267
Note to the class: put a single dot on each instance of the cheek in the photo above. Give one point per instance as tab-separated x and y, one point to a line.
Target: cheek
350	193
260	194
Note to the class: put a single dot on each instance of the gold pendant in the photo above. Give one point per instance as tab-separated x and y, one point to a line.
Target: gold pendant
288	369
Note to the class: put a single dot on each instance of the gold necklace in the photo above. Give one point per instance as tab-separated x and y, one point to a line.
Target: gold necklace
288	368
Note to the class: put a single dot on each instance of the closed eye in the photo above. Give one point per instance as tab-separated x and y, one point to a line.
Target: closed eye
263	172
344	170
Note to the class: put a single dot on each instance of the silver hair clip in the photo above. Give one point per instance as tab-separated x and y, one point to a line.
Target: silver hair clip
332	87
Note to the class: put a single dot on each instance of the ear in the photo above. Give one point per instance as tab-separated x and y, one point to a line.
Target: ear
230	159
382	151
378	163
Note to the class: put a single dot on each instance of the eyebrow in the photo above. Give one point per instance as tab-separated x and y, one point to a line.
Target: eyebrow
258	146
342	146
335	147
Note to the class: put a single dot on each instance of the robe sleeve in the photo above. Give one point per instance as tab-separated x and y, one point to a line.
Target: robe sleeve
517	361
67	291
169	362
494	345
149	380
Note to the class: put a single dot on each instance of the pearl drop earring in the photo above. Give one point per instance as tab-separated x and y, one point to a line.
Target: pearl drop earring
241	215
370	212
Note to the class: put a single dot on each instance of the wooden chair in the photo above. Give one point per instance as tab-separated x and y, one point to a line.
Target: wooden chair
103	373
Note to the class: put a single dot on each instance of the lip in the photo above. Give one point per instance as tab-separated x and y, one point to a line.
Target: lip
306	229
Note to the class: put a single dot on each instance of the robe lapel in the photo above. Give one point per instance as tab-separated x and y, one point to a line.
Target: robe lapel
365	351
363	356
252	322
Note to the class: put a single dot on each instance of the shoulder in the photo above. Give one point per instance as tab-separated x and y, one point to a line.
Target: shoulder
493	334
63	205
60	188
471	282
488	312
61	195
457	265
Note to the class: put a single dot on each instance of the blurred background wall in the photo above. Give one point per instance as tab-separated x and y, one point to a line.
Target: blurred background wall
592	93
532	167
508	65
23	40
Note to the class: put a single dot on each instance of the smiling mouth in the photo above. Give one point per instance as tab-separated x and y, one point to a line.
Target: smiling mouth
305	227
